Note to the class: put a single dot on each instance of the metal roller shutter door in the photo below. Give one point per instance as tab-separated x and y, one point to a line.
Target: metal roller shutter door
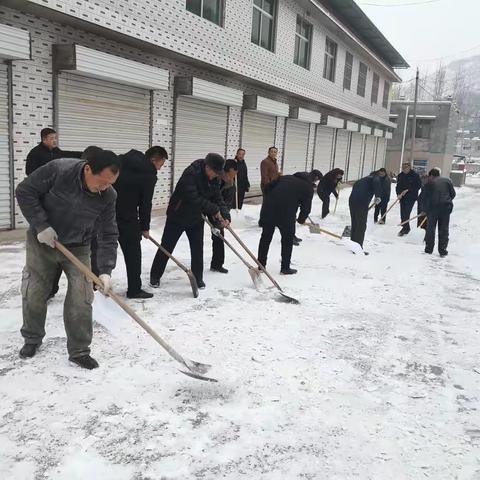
296	146
96	112
341	150
323	149
369	160
355	162
200	128
380	158
5	192
258	135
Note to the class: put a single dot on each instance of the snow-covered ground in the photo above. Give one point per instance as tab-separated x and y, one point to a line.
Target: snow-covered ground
376	375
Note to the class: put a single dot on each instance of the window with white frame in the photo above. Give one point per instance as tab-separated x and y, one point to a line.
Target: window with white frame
386	94
362	79
375	85
263	23
347	74
303	41
209	9
330	60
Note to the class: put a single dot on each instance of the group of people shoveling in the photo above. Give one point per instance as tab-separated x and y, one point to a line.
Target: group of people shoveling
78	208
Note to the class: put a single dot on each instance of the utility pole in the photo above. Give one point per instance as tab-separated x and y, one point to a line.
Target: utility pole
414	123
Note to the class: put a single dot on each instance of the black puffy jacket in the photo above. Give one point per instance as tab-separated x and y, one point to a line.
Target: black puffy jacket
438	193
363	190
41	155
328	183
409	181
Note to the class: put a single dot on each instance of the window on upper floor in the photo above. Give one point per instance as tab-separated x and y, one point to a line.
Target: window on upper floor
386	94
263	23
209	9
347	73
375	85
423	128
362	79
330	60
303	42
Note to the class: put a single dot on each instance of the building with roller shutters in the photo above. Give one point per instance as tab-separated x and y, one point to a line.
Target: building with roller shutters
309	76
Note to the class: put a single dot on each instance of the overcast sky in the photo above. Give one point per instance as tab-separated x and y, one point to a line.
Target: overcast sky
422	33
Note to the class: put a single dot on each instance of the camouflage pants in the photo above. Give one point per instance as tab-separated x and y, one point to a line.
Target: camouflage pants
37	278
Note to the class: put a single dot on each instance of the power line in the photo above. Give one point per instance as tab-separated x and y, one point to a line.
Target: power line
424	2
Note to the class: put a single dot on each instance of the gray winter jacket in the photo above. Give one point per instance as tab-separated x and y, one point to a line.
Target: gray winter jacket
438	193
55	196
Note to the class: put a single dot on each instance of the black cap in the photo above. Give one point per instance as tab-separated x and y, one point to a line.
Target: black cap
216	162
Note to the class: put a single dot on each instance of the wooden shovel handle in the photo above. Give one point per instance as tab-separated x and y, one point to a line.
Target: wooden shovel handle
169	255
323	230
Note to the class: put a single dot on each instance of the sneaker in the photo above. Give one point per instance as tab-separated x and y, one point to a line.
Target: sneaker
155	282
218	269
140	294
201	284
29	350
288	271
86	361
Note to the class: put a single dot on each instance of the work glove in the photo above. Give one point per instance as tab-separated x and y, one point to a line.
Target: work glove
48	237
107	283
378	200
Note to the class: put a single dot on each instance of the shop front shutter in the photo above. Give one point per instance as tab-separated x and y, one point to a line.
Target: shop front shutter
341	150
102	113
323	149
200	128
369	159
355	162
258	135
296	146
5	190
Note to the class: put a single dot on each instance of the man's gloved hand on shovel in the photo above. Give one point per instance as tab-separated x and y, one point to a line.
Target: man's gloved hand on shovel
48	237
107	283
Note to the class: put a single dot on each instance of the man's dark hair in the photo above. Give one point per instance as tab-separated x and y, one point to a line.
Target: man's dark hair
91	152
271	148
315	175
230	165
156	151
434	172
240	150
45	132
382	170
102	160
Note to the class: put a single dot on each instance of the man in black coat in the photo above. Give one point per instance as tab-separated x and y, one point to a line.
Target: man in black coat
46	151
362	192
243	185
227	189
328	185
280	204
386	185
135	187
197	193
408	180
437	201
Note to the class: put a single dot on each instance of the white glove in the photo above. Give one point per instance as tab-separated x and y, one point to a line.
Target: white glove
107	283
48	237
378	200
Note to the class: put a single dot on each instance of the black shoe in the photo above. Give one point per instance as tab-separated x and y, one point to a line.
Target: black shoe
85	362
53	292
381	222
201	284
218	269
288	271
375	220
429	250
401	233
444	253
155	282
296	243
297	239
140	294
29	350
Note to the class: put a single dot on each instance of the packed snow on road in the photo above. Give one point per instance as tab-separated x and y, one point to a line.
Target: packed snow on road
375	375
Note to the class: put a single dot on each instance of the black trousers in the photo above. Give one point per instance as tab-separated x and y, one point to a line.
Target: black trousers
218	251
439	216
241	198
406	206
325	204
171	234
129	238
359	217
381	209
287	232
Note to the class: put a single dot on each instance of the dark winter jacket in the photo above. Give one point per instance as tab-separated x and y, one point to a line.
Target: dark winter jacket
56	196
228	192
386	186
409	181
242	176
135	187
328	184
364	190
438	194
195	195
41	155
282	201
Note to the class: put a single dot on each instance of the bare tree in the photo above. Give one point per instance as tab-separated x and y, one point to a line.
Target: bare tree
439	82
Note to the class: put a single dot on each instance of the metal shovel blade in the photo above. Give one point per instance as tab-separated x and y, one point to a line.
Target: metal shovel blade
255	276
314	229
193	283
197	367
199	377
346	232
287	299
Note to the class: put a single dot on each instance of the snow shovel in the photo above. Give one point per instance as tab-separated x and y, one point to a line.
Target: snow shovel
193	369
423	222
254	273
411	219
393	204
190	275
336	201
262	268
314	228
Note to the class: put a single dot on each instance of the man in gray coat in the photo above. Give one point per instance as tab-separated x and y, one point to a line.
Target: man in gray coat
65	200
